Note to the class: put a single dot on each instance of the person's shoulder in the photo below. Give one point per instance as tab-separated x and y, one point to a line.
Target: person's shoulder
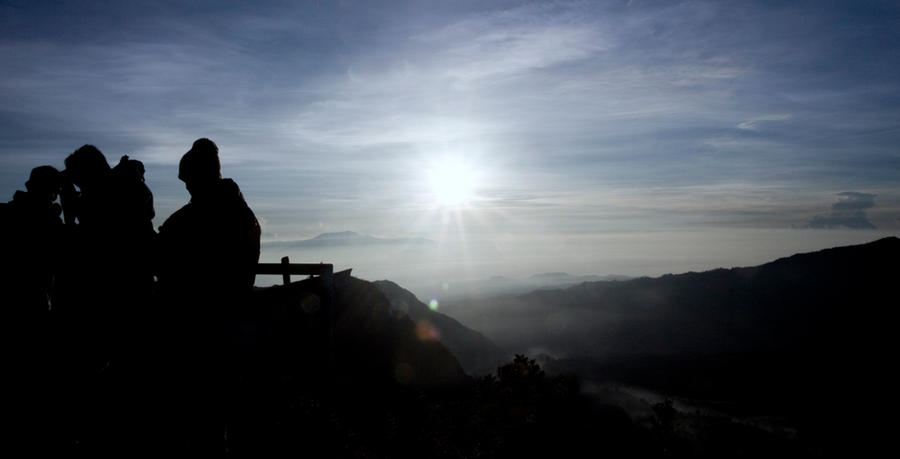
229	187
19	198
177	218
20	203
230	194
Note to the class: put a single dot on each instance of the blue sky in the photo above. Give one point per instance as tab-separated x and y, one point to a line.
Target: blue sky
575	119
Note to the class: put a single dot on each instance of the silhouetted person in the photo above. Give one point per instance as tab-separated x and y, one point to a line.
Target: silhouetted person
136	209
104	290
111	245
31	230
216	229
30	226
209	252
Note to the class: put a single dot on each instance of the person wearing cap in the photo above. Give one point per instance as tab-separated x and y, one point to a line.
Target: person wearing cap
212	242
209	250
30	228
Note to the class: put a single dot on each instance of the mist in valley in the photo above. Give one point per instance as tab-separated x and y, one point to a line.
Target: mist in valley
459	265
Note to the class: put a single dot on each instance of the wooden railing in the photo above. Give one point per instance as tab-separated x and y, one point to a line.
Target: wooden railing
286	269
325	272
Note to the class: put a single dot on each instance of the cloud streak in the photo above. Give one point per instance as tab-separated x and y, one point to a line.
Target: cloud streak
848	212
583	116
754	123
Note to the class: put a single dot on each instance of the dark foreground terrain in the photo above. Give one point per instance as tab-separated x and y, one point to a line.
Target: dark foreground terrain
789	359
380	388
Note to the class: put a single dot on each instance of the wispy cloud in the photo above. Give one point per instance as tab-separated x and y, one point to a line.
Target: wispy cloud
584	115
848	212
753	123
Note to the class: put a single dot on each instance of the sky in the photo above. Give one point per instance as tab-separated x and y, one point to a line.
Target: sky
605	137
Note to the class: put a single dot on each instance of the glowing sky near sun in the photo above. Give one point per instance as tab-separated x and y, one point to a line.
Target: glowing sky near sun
487	127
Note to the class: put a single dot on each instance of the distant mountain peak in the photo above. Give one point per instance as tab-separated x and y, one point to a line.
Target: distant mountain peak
338	235
551	275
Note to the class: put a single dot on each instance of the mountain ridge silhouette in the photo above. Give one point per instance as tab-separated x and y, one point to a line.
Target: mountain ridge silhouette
690	300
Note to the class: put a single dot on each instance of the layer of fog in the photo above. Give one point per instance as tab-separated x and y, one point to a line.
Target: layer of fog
437	268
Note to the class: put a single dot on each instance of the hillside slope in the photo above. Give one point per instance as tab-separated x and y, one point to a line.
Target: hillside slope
477	354
802	300
370	344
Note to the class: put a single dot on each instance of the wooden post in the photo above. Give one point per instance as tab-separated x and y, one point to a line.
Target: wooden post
286	270
326	291
327	277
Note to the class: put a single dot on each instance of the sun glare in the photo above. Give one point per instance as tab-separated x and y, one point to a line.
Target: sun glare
452	183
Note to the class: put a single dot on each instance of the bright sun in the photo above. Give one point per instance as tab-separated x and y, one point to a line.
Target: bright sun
452	183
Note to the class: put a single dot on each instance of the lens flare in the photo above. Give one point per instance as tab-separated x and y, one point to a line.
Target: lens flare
425	331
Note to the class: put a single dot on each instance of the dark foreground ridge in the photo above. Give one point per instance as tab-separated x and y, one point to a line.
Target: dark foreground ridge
383	390
388	388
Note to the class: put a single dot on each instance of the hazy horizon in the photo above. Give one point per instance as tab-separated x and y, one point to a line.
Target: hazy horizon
422	266
619	137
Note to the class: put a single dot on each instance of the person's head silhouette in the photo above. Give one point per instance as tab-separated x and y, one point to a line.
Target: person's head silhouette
131	169
86	165
199	168
44	181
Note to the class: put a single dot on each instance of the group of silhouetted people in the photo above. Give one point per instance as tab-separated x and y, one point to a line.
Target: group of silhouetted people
116	336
